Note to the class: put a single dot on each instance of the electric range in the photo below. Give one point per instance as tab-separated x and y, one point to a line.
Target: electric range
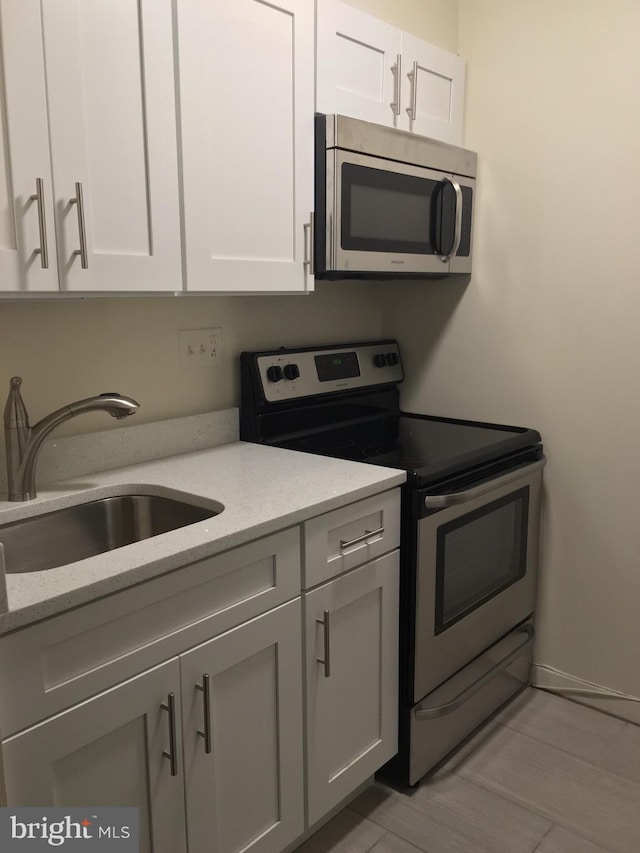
470	528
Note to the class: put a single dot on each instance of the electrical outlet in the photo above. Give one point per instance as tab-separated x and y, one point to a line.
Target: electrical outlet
200	348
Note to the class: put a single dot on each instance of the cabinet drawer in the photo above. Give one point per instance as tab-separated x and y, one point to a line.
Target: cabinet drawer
350	536
56	663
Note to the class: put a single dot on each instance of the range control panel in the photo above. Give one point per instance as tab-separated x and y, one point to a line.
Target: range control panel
289	374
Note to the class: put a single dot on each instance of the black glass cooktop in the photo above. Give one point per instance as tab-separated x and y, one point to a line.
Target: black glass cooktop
428	448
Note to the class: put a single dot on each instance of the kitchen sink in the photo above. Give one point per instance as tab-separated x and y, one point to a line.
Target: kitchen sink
74	533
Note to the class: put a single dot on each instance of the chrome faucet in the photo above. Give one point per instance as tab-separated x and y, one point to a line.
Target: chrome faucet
23	443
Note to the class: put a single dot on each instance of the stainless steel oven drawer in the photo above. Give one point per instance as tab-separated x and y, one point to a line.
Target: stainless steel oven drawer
447	715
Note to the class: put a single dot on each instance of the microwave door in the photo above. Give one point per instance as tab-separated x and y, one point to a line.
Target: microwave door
383	214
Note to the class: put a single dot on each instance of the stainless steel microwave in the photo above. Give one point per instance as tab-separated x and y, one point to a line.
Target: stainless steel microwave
390	204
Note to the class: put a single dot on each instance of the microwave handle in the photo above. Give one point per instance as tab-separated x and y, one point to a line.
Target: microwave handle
457	234
455	498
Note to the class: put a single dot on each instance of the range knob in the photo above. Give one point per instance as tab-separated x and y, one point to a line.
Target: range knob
392	359
291	371
274	373
379	359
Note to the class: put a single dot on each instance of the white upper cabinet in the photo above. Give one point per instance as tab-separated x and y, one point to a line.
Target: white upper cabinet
246	102
357	64
26	224
372	71
100	73
433	90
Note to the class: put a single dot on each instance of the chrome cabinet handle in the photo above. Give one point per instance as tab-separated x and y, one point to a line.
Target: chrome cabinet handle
170	707
347	543
422	713
457	233
396	69
309	248
206	712
326	661
43	251
82	234
413	76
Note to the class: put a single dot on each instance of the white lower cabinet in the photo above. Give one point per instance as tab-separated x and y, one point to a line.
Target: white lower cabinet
184	697
351	626
245	793
108	751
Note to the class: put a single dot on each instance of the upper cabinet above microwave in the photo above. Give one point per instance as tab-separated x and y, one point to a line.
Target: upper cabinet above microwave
370	70
89	183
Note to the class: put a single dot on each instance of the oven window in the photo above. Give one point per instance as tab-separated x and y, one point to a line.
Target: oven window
385	211
479	555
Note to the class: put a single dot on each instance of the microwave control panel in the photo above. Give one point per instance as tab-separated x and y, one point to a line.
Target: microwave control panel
290	374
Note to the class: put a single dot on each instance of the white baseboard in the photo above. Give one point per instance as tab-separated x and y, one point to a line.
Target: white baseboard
556	681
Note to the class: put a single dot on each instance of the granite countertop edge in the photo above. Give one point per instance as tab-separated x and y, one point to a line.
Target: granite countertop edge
263	490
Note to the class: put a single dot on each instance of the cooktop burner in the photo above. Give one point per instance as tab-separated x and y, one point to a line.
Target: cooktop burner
327	445
400	454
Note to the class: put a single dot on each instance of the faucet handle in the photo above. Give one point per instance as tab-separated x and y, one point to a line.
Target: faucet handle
15	411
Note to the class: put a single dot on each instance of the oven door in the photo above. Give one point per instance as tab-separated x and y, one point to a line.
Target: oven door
388	217
476	573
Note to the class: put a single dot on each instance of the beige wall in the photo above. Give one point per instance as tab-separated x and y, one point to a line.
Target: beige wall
546	332
433	20
68	350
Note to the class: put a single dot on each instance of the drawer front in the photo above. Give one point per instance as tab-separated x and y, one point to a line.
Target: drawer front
52	665
349	536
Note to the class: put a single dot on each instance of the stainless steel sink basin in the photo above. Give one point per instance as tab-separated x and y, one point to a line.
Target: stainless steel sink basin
77	532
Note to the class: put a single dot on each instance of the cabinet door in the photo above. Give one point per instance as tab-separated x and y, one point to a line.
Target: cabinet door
435	89
351	626
246	793
111	98
246	93
108	751
357	63
26	224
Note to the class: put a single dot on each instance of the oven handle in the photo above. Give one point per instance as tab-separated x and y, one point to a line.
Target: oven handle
422	713
455	498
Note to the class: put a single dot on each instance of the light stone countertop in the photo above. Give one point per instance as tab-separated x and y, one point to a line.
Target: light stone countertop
263	489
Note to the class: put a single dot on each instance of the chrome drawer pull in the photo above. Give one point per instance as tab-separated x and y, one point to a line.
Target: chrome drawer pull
82	233
309	248
170	707
347	543
206	711
396	70
413	106
43	251
327	643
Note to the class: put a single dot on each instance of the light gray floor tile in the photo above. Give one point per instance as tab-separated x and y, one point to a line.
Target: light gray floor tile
347	832
452	815
582	731
561	841
391	843
594	803
624	755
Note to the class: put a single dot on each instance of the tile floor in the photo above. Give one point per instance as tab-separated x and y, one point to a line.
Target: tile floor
545	775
